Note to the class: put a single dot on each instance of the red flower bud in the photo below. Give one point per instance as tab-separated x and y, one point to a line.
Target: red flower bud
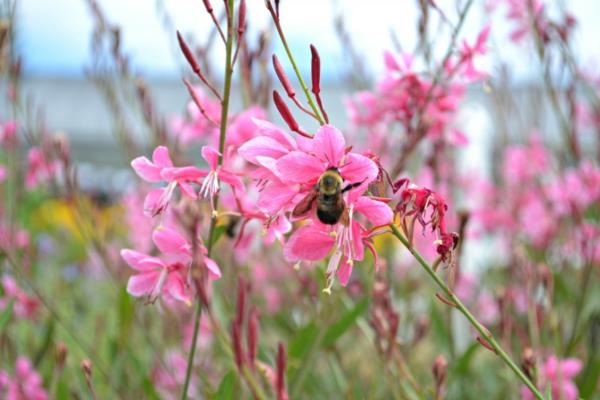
208	6
241	302
280	378
315	64
252	336
189	56
285	112
236	340
241	18
285	82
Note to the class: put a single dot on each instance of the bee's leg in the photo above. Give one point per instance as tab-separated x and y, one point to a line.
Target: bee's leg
351	186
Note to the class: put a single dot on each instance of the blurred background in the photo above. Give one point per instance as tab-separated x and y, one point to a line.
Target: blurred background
55	42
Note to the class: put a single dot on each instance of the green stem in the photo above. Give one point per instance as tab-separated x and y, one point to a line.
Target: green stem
587	272
222	135
295	66
485	334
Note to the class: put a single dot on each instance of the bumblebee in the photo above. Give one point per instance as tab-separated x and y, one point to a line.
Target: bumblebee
328	194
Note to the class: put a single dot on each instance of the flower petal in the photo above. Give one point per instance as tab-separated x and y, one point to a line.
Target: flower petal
344	271
140	261
231	179
170	241
189	173
275	197
211	156
161	157
142	284
268	129
377	212
262	146
570	367
329	145
299	167
146	169
308	243
358	168
213	268
175	286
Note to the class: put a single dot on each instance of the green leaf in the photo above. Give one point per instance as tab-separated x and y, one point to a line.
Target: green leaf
302	342
590	378
464	361
336	330
219	231
225	390
6	314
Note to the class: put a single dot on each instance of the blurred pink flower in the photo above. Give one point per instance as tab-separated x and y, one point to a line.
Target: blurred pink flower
169	383
24	306
558	375
26	384
39	169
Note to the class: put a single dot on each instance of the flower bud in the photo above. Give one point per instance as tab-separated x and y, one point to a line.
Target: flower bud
283	78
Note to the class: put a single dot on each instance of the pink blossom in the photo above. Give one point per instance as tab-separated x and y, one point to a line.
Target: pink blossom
39	168
314	241
25	384
211	178
169	383
140	227
24	306
161	169
167	275
197	126
558	375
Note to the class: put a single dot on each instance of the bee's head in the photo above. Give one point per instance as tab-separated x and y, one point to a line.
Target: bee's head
330	182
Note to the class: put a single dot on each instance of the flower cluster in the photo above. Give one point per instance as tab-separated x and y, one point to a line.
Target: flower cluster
24	384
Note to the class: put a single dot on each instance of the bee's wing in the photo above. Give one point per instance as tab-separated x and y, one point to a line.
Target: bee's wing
305	204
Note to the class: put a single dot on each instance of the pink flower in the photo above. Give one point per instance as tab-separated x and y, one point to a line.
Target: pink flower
197	126
39	168
161	169
8	134
25	385
169	383
211	178
290	171
24	306
168	275
558	374
314	241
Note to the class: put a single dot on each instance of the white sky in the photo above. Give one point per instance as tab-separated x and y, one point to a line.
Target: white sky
55	34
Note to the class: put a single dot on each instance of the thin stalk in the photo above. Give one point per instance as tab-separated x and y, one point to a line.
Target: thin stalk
294	65
483	331
222	134
587	272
